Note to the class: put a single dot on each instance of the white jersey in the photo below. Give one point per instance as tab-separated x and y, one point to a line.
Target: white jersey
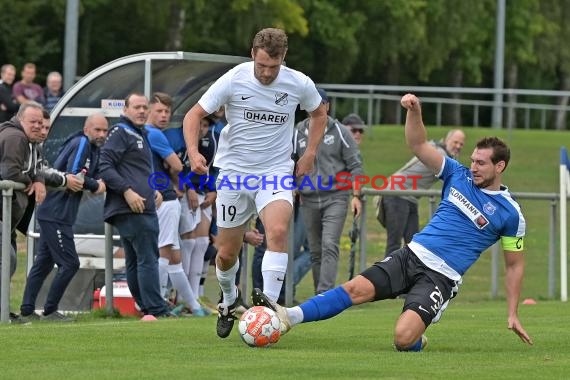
257	139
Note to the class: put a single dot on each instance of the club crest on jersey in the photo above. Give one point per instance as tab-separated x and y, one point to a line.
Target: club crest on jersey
265	117
139	144
302	143
489	208
467	208
328	139
281	98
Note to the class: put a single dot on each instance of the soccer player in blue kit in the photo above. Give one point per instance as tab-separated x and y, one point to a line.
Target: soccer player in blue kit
476	210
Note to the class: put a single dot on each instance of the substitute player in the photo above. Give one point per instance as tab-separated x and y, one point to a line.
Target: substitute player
474	213
260	99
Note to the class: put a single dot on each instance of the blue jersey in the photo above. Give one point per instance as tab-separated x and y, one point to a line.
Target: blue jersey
467	222
207	146
160	150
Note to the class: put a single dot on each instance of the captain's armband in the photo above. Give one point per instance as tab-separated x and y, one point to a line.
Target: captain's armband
512	243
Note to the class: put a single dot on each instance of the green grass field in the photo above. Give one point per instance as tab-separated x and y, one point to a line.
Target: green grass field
471	341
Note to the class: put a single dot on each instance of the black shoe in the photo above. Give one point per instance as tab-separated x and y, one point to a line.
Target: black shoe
226	316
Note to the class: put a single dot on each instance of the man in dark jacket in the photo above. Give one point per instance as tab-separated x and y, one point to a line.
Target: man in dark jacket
79	156
126	166
19	162
8	105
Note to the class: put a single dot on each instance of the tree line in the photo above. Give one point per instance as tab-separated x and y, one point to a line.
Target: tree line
411	42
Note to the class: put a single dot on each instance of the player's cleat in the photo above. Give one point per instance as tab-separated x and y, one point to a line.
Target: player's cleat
260	299
226	316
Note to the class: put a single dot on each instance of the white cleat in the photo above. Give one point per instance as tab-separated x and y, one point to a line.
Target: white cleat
260	299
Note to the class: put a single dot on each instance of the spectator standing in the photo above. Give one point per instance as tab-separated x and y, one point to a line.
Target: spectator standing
323	204
19	163
197	196
166	160
8	105
56	216
26	90
130	204
53	91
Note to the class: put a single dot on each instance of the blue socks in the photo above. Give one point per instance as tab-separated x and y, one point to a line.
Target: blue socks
417	347
326	305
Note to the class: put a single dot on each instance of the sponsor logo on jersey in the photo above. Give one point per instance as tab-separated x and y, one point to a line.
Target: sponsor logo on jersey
328	139
467	208
489	208
281	98
265	117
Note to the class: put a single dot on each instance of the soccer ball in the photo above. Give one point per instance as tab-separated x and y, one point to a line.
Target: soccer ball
259	326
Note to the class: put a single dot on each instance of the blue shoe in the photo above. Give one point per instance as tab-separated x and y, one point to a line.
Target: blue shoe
201	312
176	310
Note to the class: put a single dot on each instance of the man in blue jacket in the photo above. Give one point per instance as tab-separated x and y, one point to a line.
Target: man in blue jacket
126	166
56	216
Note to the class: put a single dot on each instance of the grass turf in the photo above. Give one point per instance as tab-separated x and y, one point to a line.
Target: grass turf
470	342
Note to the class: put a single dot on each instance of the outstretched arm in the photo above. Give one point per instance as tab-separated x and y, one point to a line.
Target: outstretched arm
514	266
416	134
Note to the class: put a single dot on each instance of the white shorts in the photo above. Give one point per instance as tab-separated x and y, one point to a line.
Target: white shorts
206	211
189	219
234	207
168	220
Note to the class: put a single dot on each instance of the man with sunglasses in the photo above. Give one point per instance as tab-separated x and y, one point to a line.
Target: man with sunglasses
355	124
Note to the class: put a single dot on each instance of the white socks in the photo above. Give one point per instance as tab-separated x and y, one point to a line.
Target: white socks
227	282
163	275
273	268
197	262
295	315
186	248
180	283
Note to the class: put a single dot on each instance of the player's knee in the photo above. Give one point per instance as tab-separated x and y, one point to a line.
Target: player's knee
405	338
226	258
360	290
277	233
409	330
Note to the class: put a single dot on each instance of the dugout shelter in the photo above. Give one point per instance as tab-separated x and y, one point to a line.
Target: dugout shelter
185	76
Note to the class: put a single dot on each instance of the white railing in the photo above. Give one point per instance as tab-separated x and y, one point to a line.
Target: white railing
8	188
367	100
564	193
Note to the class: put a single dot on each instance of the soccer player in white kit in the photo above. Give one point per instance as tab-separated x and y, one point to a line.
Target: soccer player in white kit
254	158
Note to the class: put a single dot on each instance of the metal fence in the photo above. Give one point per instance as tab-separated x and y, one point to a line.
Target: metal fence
538	108
8	188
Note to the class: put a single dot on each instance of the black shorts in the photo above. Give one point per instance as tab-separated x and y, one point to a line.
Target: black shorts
402	272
